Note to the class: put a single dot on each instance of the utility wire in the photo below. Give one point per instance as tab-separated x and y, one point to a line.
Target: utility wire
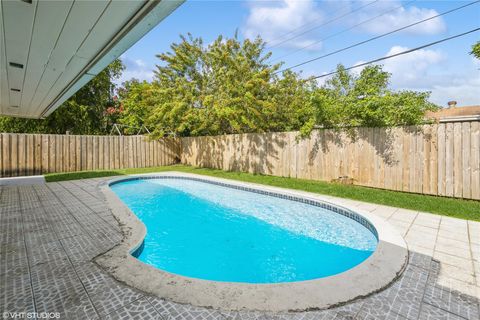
343	31
396	54
321	25
378	37
301	27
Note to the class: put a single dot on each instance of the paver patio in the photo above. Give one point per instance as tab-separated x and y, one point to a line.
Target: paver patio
51	232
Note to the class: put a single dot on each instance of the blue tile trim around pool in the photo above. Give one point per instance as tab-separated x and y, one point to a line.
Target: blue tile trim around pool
345	212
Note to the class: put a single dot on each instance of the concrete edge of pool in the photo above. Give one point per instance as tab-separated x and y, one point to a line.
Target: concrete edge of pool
377	272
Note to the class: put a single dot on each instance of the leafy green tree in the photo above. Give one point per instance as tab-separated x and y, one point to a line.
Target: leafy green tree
137	102
291	103
348	100
84	113
476	50
229	87
225	87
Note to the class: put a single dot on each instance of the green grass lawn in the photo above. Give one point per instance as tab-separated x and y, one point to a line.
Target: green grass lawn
464	209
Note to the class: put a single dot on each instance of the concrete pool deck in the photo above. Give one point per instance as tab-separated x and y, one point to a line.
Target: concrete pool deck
50	234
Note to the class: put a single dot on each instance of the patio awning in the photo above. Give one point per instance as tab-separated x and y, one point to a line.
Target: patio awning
49	49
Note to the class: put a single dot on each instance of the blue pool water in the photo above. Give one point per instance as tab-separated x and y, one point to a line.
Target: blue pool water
211	232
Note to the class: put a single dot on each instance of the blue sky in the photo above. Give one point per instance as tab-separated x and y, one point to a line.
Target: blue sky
447	70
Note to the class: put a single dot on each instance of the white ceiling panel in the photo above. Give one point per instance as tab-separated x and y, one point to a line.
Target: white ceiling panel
50	18
115	16
105	28
75	65
18	17
151	19
82	17
61	45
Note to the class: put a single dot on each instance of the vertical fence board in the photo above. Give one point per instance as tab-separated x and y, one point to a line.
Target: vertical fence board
457	160
475	160
442	161
73	153
30	155
38	154
406	161
6	172
59	153
433	147
88	152
466	166
94	153
21	145
109	159
162	157
116	151
372	154
7	160
416	157
76	144
14	154
101	155
45	150
52	160
66	154
129	152
150	154
449	159
142	150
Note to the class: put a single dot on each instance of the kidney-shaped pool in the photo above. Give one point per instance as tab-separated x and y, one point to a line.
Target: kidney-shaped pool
214	231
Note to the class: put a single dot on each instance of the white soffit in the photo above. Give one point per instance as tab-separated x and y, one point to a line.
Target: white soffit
49	49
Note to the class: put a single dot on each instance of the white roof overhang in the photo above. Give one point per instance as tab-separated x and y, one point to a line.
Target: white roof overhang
49	49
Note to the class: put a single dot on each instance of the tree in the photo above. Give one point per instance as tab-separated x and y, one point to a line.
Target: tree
476	50
137	101
230	87
84	113
348	100
225	87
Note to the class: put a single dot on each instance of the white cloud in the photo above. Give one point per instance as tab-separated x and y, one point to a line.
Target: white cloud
140	63
280	20
430	70
137	69
358	70
466	93
273	21
137	74
464	87
397	18
410	70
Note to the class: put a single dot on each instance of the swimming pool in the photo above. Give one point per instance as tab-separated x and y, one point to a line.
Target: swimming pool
211	231
194	286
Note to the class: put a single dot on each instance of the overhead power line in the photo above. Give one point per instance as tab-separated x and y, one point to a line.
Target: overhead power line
343	31
303	26
319	26
378	37
397	54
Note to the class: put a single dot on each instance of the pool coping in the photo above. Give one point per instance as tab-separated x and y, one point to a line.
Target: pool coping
377	272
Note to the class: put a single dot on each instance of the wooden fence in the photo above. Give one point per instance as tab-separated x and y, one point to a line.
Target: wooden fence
31	154
441	159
